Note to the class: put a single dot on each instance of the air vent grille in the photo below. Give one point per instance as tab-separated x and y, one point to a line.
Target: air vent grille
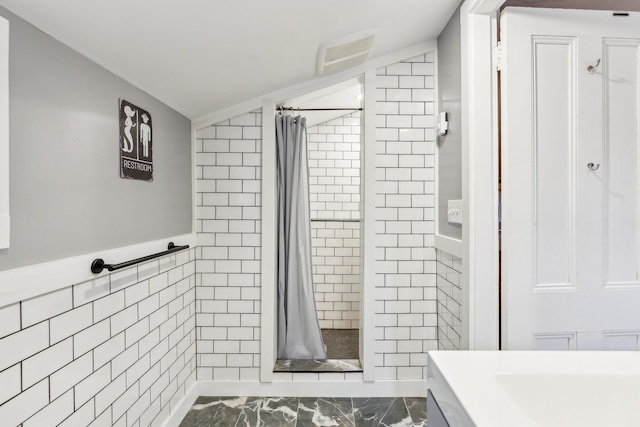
345	52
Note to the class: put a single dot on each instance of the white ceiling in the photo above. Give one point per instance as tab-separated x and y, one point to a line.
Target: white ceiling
200	56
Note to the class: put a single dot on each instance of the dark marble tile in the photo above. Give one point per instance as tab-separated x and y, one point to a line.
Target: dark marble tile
417	407
269	412
209	411
318	365
369	411
313	412
397	415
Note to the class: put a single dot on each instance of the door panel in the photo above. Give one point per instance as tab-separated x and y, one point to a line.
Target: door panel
621	98
553	137
570	233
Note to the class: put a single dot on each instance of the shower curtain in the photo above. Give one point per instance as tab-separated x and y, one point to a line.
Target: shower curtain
299	335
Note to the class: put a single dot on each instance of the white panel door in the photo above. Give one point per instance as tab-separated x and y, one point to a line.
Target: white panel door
570	191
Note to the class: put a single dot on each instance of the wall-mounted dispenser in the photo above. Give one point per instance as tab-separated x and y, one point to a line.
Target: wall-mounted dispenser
443	124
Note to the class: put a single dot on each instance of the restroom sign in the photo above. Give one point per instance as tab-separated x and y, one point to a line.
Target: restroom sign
136	142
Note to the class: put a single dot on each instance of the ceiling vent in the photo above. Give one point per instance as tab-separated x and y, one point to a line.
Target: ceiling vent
345	52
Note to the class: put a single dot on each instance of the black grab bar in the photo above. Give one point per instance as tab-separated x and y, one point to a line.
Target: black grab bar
98	264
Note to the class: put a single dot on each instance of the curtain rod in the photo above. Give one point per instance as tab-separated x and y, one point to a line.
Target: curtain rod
319	109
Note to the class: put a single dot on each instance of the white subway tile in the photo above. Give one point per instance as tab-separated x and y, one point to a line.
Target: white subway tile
135	332
124	360
136	293
91	290
9	319
227	374
46	362
17	410
123	278
91	337
123	319
148	305
107	351
23	344
138	369
42	307
90	386
229	132
387	82
158	283
102	420
148	269
71	374
124	402
54	413
110	393
108	306
11	383
138	408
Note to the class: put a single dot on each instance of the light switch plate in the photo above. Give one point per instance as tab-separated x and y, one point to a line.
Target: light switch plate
454	211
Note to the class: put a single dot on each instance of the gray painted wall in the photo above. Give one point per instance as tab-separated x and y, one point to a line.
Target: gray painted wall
450	145
66	195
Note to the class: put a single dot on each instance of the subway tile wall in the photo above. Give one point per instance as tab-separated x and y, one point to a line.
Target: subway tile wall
406	317
449	271
229	231
228	188
334	168
334	181
118	350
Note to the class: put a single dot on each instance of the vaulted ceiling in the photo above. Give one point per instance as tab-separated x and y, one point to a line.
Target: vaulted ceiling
199	56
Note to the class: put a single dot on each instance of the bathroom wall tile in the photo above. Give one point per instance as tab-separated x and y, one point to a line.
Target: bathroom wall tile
108	306
23	406
9	319
91	385
42	307
91	290
70	375
123	319
53	413
139	406
91	337
78	393
136	293
123	278
124	402
23	344
108	350
44	363
81	417
11	383
105	397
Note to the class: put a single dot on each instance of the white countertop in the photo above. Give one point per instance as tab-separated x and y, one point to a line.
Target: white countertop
524	388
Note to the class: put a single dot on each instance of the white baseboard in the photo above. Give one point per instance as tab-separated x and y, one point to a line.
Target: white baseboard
399	388
176	417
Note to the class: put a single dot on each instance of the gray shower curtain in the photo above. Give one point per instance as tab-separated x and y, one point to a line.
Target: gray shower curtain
299	335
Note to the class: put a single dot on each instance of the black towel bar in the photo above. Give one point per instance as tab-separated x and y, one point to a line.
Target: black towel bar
98	264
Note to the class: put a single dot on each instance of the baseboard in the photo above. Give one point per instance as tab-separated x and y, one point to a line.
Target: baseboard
398	388
176	417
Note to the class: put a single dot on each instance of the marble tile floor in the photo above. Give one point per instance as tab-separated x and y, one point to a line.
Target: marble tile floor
318	365
307	412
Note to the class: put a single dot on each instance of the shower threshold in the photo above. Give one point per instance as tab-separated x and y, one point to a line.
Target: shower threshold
318	365
342	354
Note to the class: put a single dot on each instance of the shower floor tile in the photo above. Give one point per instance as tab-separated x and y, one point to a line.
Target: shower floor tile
342	343
318	365
306	412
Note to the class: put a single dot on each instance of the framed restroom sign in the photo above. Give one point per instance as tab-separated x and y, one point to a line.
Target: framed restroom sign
136	142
